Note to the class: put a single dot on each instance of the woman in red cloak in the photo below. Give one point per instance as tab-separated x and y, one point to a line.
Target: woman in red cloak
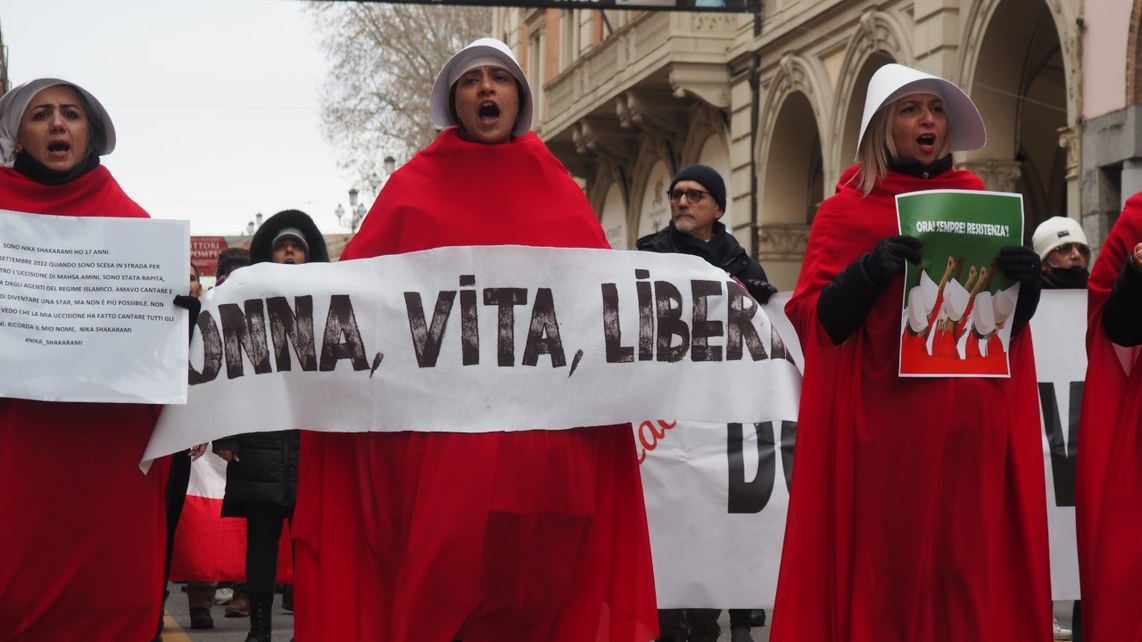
81	529
534	536
1108	484
916	511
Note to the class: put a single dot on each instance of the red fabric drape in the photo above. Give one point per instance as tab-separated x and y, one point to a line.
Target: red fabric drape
81	529
525	536
209	547
1108	484
916	510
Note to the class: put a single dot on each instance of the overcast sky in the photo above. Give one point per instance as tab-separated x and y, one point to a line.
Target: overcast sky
214	101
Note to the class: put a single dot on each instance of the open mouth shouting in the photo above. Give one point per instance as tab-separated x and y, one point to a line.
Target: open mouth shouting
489	111
59	154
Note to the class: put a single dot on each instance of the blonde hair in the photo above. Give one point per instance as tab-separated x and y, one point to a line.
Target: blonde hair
877	147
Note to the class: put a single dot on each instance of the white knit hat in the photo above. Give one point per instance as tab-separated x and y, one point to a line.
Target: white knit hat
485	51
892	82
1056	231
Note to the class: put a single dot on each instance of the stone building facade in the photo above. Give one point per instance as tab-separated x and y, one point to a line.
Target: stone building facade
773	100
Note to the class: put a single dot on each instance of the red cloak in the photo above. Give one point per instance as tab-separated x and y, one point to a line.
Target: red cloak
1108	483
534	536
917	509
81	529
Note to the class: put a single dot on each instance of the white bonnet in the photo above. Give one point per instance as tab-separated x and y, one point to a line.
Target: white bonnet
893	81
983	314
15	102
481	52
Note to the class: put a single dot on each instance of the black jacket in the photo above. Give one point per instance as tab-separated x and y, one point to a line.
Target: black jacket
265	473
722	250
266	470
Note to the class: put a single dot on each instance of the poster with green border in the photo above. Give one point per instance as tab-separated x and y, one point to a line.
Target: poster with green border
957	305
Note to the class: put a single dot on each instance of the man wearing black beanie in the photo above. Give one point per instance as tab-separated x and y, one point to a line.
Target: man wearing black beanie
697	200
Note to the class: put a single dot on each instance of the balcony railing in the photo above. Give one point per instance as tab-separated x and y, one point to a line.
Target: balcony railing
677	51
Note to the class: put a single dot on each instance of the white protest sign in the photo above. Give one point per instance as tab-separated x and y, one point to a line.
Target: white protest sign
86	310
478	339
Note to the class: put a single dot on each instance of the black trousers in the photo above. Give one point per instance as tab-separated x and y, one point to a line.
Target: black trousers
175	498
263	533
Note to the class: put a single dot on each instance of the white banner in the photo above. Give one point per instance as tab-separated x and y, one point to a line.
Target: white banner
1059	334
86	310
476	339
716	502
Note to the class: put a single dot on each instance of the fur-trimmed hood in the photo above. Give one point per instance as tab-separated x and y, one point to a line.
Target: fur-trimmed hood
261	247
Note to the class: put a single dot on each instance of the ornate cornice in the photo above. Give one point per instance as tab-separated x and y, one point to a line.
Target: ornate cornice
782	241
709	82
997	175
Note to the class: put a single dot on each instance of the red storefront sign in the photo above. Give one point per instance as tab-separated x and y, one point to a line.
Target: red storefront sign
204	253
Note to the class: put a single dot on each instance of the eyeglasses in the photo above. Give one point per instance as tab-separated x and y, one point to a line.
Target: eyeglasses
692	195
1067	248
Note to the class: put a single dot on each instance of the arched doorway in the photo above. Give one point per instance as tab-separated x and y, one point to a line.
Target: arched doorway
1020	86
792	190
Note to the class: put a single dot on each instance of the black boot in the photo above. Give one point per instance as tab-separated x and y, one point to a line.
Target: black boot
200	597
287	598
261	607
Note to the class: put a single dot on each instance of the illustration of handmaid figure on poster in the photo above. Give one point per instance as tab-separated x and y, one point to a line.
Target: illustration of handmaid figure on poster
956	298
960	328
986	345
956	329
925	302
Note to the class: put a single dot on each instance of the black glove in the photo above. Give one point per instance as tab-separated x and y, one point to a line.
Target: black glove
1122	314
847	299
760	290
886	260
192	304
1020	263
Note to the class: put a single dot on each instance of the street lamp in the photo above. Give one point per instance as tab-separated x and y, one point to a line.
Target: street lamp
253	225
357	211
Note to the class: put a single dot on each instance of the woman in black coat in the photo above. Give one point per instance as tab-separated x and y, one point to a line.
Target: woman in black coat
261	469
